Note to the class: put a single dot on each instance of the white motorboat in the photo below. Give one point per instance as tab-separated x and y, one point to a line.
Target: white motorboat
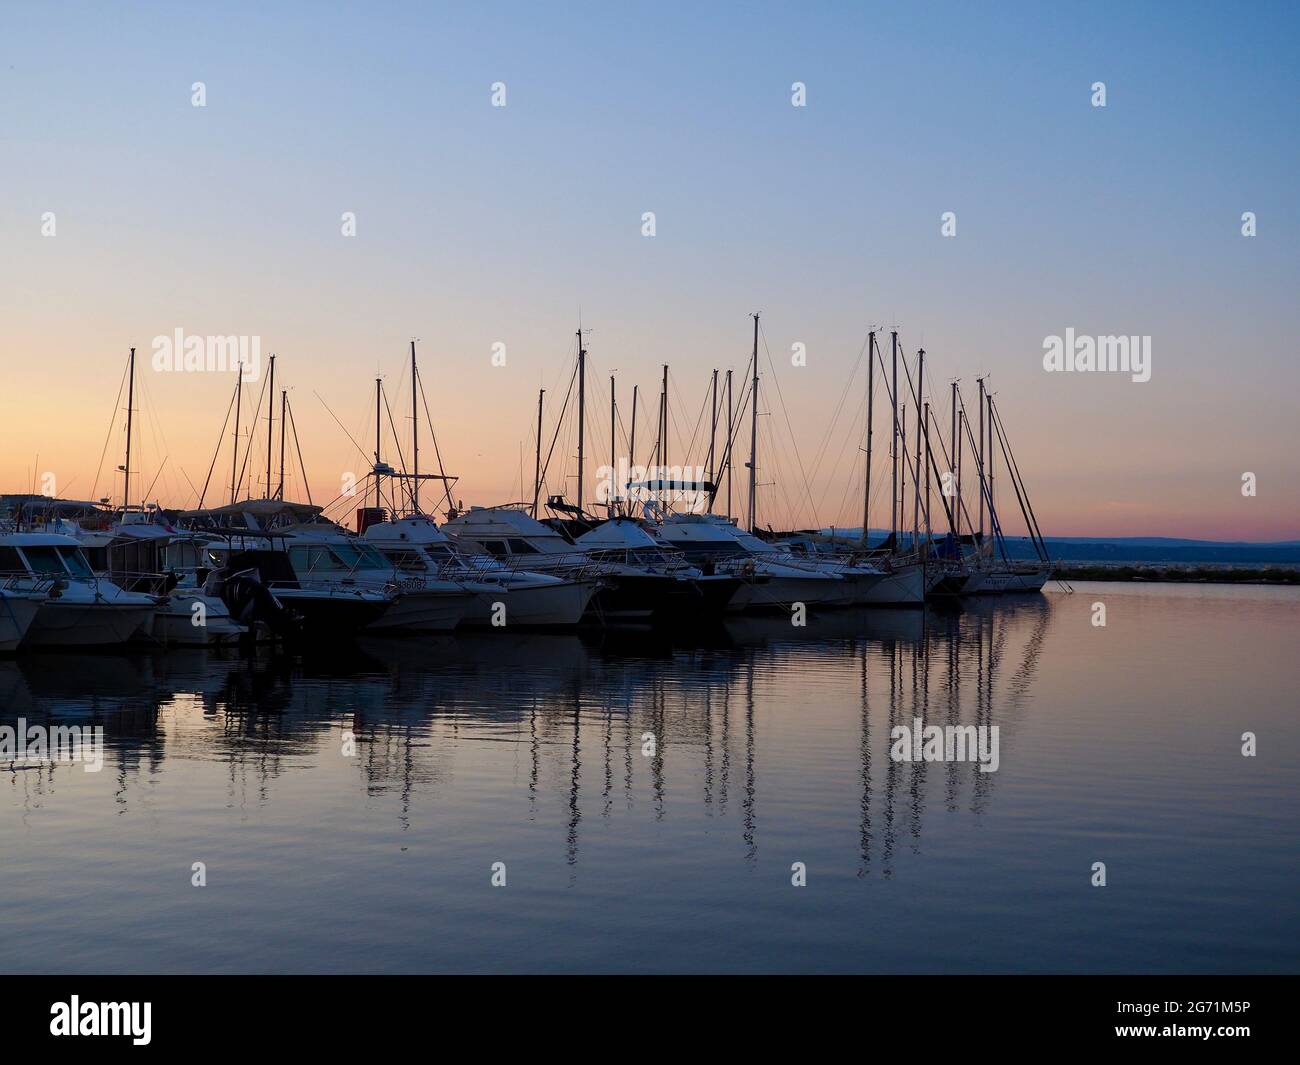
18	609
80	609
417	547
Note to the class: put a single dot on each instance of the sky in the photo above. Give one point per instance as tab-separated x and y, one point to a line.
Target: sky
127	213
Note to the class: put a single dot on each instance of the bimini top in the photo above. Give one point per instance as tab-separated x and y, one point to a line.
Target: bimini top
412	530
480	524
617	534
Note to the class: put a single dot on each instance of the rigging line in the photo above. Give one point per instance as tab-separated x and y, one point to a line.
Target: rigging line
1019	498
789	428
403	481
297	446
995	525
249	450
208	480
193	490
434	437
112	421
848	390
737	421
360	451
1027	508
541	480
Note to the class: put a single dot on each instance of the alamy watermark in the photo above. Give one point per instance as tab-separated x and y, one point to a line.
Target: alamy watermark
920	742
208	354
683	485
1109	354
23	745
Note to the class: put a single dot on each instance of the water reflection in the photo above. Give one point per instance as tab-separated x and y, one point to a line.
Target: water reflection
601	722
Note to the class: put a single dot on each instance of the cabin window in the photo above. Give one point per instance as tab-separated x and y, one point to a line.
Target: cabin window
44	560
75	561
495	547
11	561
522	547
306	560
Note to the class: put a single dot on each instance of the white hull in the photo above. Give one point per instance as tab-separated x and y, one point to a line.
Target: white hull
17	612
173	623
904	586
425	611
67	624
1029	582
540	605
989	582
783	591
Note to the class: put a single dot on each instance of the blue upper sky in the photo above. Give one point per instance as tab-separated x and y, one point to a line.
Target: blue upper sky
478	224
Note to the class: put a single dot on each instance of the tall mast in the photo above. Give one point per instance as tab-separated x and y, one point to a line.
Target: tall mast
663	464
916	470
415	436
582	408
126	470
713	436
893	445
871	409
279	489
270	424
379	384
753	438
731	412
537	463
234	459
980	458
926	433
989	400
613	443
631	447
954	473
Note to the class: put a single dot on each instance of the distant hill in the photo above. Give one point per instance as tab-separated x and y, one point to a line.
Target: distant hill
1148	549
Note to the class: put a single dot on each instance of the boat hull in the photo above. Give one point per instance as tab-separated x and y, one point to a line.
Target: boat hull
904	586
424	611
550	605
17	612
102	624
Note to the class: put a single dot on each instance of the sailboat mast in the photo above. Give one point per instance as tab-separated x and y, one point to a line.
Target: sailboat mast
126	470
415	435
893	445
537	462
378	424
279	489
926	434
731	412
916	470
613	442
713	435
664	433
631	447
582	408
980	459
871	410
753	439
953	461
234	459
988	399
270	424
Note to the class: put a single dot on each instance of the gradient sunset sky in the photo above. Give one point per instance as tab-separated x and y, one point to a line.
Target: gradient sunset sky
479	224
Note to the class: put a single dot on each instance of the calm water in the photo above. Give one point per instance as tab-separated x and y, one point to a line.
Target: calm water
1119	744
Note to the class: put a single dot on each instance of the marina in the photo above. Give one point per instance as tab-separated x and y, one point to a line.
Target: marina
650	551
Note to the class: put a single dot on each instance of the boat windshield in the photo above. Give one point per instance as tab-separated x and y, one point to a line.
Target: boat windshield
58	561
360	556
752	542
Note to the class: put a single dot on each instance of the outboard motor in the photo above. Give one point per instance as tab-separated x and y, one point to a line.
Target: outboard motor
250	601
